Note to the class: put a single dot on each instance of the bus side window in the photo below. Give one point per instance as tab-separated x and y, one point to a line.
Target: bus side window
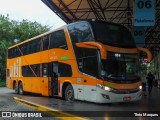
90	62
31	71
22	49
45	40
36	69
58	40
14	52
10	53
45	70
34	44
27	48
64	70
24	71
87	61
38	45
17	52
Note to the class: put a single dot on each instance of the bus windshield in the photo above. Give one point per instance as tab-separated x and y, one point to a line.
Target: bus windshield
120	67
112	34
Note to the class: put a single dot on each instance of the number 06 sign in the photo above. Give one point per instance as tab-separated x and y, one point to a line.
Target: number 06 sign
144	12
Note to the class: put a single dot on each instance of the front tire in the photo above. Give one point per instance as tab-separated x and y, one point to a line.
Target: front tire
20	88
69	93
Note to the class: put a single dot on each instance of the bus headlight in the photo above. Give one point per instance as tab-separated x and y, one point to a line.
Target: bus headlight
107	88
103	87
140	87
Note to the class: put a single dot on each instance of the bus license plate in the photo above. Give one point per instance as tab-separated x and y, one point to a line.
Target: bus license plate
127	98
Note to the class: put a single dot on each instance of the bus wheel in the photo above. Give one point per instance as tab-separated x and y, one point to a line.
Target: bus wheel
15	88
20	88
69	93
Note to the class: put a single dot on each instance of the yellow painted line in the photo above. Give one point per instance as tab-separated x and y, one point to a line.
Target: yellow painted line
54	112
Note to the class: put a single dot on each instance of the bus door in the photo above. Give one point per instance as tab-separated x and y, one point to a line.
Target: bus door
54	78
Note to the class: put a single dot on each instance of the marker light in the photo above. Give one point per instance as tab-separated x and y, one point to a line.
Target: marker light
99	85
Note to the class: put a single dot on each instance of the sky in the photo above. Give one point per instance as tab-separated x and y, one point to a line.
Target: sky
32	10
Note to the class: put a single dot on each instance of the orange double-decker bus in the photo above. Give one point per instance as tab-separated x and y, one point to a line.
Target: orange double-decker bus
89	60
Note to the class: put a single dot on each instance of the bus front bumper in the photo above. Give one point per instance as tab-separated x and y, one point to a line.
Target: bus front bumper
104	96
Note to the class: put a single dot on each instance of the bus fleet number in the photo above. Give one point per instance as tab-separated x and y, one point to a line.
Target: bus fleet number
146	4
138	33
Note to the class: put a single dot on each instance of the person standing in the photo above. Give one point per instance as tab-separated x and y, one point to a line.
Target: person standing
150	78
144	82
158	83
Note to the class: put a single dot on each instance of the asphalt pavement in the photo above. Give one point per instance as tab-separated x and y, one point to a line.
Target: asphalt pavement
148	105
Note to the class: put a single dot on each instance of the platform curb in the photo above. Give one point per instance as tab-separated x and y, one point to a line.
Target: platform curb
54	112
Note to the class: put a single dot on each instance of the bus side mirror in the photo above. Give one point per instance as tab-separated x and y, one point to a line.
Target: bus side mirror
94	45
149	54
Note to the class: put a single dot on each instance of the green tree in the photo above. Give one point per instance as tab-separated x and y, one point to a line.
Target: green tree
12	32
27	29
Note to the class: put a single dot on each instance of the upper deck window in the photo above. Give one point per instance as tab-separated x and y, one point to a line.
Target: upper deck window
80	32
58	40
112	34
